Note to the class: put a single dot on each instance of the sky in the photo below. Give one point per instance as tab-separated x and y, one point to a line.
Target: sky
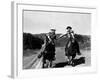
36	22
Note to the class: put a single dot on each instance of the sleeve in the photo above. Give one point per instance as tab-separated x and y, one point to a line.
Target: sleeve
73	34
62	35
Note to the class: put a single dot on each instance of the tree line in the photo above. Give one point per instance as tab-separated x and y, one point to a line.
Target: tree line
35	41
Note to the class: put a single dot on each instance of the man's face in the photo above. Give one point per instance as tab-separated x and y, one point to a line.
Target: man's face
52	31
68	29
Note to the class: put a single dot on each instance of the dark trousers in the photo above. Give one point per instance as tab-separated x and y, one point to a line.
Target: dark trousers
75	45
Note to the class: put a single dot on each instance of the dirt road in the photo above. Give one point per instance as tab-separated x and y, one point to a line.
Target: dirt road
31	62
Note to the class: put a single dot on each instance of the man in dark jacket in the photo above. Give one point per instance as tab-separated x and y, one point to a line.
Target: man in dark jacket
49	47
71	36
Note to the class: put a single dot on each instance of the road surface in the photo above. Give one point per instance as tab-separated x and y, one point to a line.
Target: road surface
32	62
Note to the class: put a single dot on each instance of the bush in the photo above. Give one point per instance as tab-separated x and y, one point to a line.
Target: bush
31	42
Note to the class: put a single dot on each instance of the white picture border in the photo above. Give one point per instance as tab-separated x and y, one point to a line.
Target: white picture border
17	52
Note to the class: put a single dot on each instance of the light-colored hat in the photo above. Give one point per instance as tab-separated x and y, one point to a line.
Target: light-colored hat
53	29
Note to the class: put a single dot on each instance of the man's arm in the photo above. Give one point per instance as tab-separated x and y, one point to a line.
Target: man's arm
62	35
43	46
73	34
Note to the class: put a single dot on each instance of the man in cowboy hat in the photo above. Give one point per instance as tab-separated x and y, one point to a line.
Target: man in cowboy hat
49	46
51	37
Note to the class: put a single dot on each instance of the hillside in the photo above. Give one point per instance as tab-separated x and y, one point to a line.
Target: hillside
34	41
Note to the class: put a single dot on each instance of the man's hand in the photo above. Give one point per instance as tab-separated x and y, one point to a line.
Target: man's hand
62	35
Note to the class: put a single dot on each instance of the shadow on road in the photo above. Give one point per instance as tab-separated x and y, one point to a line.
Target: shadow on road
76	62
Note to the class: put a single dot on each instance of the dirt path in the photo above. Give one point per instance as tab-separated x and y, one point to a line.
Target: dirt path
60	56
32	62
